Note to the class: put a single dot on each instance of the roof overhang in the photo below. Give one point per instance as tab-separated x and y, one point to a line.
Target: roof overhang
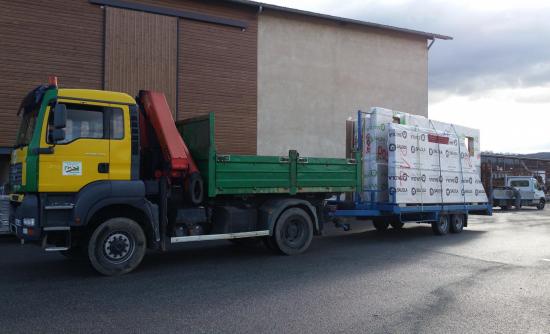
263	6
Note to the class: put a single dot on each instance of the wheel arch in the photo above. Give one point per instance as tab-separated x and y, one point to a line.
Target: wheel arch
101	213
102	200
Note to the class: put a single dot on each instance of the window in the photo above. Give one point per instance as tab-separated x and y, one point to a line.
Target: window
27	126
519	183
117	124
87	121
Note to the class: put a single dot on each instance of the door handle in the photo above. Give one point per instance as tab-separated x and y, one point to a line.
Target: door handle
103	167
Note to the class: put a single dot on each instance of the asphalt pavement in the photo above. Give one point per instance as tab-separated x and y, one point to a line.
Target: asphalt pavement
492	278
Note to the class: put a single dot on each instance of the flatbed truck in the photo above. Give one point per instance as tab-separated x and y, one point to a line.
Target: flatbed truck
101	175
104	176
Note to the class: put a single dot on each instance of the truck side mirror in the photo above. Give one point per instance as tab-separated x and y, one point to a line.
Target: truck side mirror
57	135
60	117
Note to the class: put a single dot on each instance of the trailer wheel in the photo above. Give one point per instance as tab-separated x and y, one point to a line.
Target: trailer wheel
117	246
441	227
541	204
397	225
457	223
380	225
293	231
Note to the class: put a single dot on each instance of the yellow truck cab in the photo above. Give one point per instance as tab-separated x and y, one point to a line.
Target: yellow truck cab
76	158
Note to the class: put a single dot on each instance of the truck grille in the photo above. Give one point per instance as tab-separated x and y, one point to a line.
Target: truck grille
4	214
16	174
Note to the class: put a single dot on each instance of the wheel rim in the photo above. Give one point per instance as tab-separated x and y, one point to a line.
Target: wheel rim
118	247
294	232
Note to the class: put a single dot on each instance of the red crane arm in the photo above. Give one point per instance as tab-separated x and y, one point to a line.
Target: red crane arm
173	147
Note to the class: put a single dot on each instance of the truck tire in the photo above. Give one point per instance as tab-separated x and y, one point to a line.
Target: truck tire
380	225
457	223
117	246
542	204
293	231
194	190
441	227
397	225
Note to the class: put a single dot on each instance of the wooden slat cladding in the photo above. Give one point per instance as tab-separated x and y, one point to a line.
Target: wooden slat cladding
216	69
141	53
218	72
60	37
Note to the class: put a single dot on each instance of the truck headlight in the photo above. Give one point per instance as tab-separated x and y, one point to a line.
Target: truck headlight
28	222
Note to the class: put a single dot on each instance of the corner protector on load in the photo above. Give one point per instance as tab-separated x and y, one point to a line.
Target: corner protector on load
270	211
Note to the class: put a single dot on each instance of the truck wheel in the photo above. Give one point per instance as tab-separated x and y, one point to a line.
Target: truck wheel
117	246
293	231
541	204
397	225
441	227
380	226
457	223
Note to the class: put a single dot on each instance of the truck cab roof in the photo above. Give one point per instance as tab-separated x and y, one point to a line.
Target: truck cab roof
96	95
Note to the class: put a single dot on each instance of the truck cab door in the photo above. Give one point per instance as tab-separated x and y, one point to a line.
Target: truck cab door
525	187
83	156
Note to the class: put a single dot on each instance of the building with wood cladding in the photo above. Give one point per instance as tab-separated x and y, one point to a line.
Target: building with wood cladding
277	78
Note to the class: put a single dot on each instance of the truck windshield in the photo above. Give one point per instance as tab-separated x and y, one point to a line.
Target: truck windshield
28	122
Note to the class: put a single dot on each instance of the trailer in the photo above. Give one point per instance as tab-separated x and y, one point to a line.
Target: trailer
443	214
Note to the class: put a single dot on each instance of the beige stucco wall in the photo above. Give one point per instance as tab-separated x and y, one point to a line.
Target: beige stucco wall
314	74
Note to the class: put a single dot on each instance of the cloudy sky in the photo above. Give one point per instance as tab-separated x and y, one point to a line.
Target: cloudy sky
494	75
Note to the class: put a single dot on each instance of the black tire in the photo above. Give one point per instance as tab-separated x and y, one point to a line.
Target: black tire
541	205
457	223
380	226
397	225
293	232
117	246
194	190
504	207
441	227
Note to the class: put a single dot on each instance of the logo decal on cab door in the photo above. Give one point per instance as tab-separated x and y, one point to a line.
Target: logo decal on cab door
72	168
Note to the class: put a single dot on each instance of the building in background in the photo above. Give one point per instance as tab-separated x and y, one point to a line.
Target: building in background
277	78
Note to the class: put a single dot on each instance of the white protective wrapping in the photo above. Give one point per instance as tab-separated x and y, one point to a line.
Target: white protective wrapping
409	159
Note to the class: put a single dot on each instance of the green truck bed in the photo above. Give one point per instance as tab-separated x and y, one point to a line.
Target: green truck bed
243	174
